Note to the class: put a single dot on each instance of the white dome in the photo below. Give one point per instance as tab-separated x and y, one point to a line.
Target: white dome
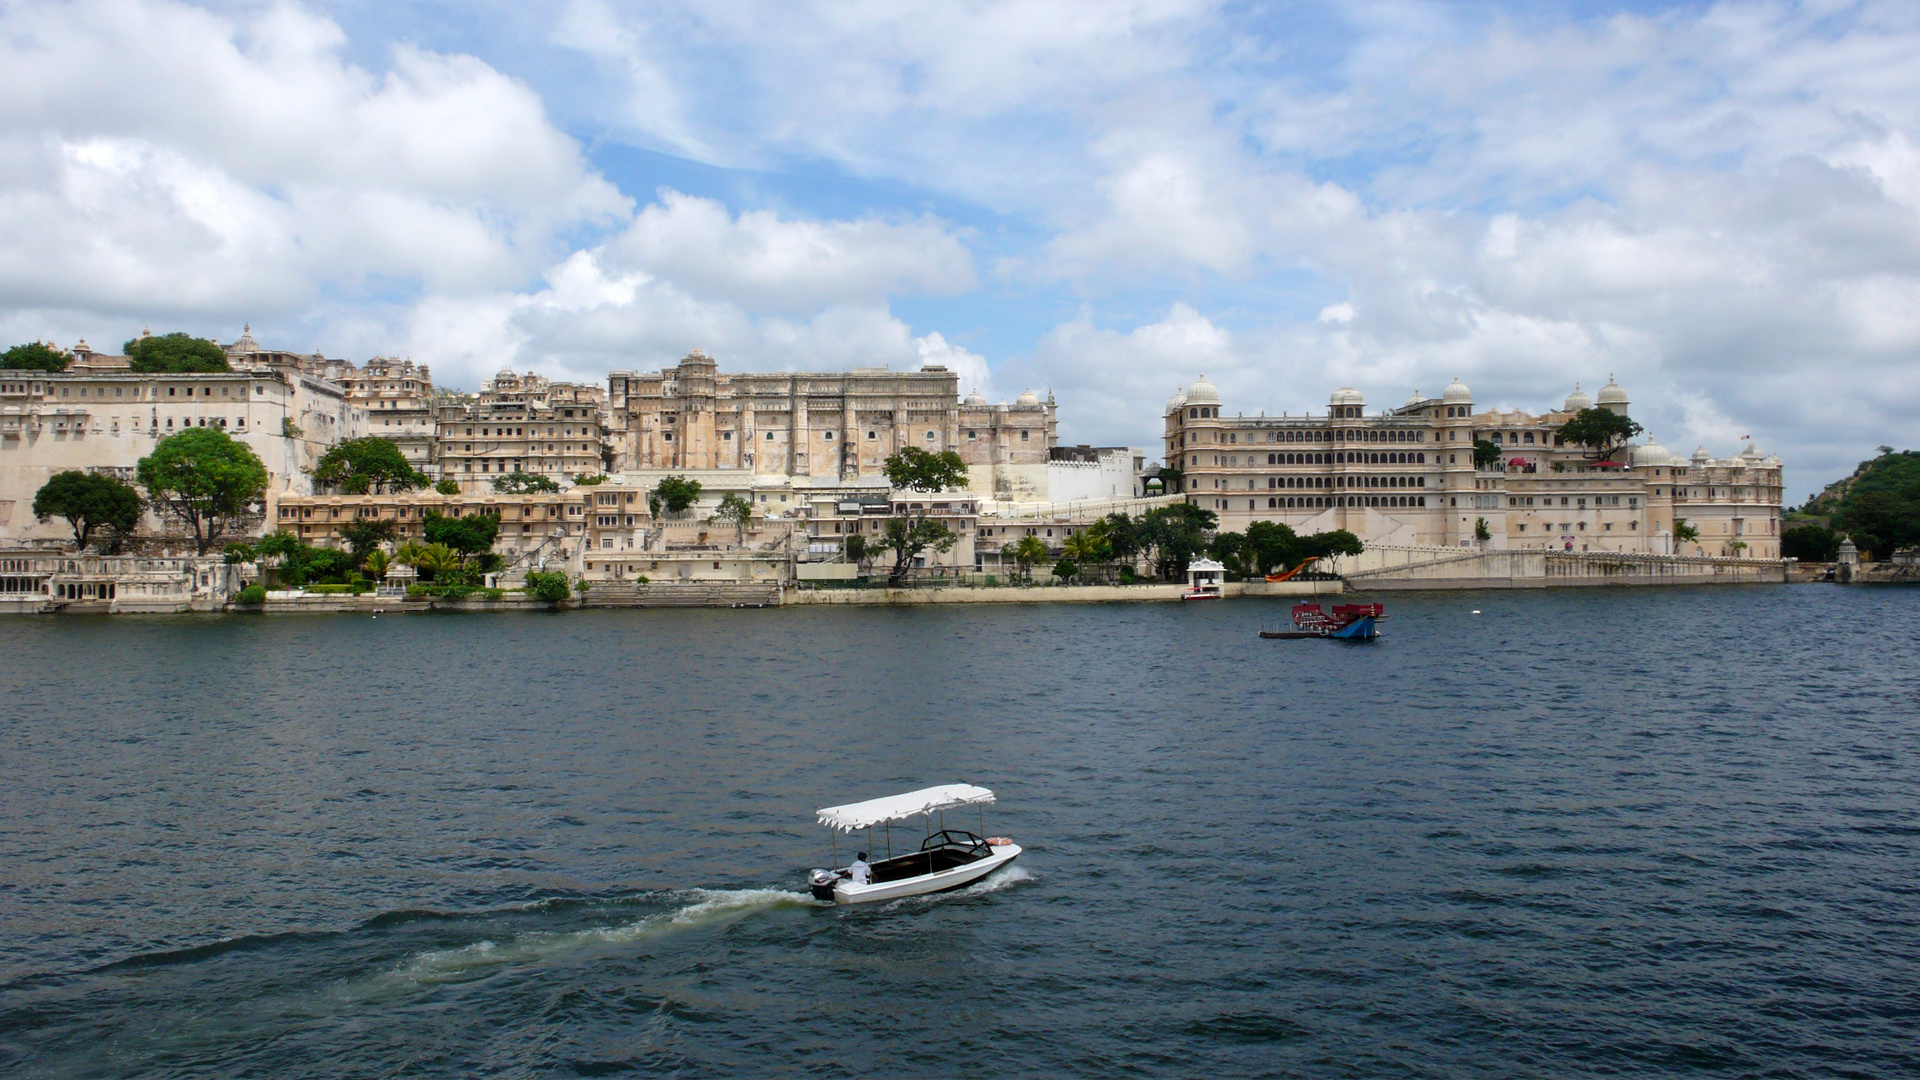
1417	398
1347	395
975	398
1177	401
1612	393
1752	452
1578	400
1457	393
1203	393
1651	454
1700	454
1027	398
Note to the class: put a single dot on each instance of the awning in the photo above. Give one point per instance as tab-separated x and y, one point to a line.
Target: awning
1517	461
931	800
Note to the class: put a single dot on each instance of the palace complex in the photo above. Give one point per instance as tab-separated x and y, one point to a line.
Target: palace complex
1407	476
807	452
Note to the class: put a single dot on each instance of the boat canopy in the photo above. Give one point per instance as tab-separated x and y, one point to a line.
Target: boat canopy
862	815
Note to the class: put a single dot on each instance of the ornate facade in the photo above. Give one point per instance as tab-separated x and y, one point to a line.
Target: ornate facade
1406	476
521	423
822	429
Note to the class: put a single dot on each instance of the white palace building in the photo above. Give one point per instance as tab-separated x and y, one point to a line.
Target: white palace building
1406	476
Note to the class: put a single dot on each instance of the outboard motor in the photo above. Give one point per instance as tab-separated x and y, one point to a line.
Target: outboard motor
821	882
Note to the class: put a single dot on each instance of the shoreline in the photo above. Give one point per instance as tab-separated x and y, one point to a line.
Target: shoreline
723	596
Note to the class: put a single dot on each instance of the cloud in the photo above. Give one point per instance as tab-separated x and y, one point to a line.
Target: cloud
761	261
593	317
267	171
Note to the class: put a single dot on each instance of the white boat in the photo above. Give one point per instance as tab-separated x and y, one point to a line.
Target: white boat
946	858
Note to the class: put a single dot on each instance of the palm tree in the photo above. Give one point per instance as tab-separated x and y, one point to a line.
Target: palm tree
1026	551
1088	547
437	559
377	563
408	553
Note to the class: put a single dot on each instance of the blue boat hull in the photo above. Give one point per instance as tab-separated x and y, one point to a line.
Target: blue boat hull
1360	629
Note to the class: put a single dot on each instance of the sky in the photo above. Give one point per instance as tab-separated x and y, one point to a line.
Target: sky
1716	204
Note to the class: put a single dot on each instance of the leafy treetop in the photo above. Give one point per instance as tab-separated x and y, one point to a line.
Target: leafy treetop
1486	454
926	471
523	483
203	477
88	501
175	353
468	535
357	466
448	486
34	356
674	494
1601	431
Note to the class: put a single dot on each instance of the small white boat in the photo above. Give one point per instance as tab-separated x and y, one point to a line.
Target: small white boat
945	859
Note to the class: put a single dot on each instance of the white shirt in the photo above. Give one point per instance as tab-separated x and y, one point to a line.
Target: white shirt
860	872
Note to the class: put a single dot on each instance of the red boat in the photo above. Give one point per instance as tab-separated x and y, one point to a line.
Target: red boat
1348	622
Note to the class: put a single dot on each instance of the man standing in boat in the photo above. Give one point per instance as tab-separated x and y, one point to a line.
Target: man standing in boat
860	873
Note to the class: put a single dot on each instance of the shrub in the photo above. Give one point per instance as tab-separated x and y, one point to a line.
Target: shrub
416	590
252	594
551	587
495	594
332	590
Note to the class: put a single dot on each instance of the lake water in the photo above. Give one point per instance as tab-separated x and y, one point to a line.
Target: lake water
1577	833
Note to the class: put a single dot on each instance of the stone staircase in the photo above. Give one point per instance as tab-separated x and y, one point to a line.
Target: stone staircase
696	594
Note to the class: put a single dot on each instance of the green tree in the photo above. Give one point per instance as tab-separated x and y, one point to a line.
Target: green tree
1329	544
1881	508
175	353
34	356
1065	569
447	486
737	512
674	494
377	563
523	483
1123	535
923	472
1026	552
358	466
1601	431
89	502
297	563
1271	546
1486	455
854	548
365	535
1174	534
1684	532
1809	543
1089	546
1231	549
204	478
910	536
469	535
1481	531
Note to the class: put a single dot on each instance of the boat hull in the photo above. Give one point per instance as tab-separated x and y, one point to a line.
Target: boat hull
848	893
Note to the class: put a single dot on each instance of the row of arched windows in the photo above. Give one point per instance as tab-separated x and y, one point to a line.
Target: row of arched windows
1318	502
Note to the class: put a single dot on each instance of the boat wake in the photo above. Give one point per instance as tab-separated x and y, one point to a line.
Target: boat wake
699	909
1004	878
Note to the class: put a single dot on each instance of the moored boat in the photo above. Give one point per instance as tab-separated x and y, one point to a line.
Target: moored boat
947	858
1346	622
